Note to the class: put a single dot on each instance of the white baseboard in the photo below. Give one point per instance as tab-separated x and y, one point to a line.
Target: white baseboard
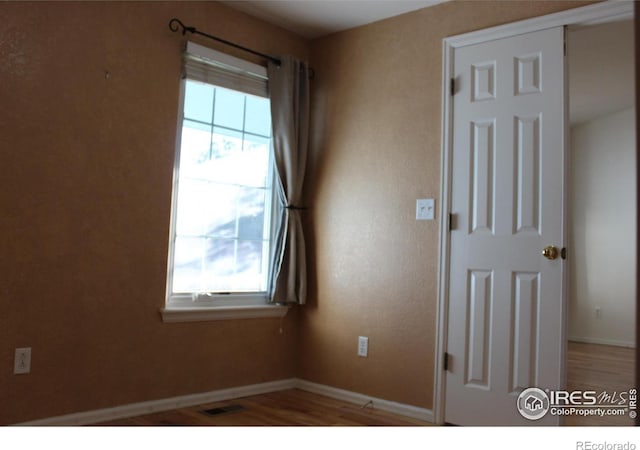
138	409
590	340
361	399
153	406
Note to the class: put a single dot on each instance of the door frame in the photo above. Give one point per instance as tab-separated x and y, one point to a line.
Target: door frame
586	15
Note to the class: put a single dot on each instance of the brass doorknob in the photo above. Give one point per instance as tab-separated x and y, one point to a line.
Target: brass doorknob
550	252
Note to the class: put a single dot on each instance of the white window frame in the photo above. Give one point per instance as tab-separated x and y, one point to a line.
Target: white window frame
188	307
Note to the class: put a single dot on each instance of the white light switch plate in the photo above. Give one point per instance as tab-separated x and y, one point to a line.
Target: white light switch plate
22	361
425	209
363	346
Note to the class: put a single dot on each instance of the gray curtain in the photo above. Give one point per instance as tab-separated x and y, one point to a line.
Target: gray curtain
289	93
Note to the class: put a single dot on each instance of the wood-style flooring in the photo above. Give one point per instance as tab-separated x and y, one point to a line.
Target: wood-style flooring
592	367
291	407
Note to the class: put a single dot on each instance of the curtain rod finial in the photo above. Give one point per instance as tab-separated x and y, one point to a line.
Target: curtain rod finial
176	24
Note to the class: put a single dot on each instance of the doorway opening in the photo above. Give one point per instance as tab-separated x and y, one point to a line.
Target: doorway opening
601	212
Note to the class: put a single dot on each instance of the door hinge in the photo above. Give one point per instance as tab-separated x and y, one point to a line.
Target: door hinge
451	222
446	361
452	87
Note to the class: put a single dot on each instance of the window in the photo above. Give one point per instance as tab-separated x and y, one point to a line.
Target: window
224	192
223	196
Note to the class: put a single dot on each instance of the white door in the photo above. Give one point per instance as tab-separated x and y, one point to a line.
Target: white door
506	319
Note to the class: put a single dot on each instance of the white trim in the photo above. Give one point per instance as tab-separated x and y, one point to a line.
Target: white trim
442	307
174	191
183	401
591	14
361	399
172	315
586	15
202	300
590	340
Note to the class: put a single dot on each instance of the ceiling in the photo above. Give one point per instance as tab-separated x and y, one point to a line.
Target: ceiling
601	70
314	18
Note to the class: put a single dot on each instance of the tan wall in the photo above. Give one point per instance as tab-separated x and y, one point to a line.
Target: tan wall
377	139
86	165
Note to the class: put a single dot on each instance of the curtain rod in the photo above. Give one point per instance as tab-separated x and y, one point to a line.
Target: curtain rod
176	25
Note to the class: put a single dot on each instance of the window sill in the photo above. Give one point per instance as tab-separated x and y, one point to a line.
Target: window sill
172	315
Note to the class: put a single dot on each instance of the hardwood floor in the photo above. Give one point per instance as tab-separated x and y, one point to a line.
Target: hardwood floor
599	368
292	407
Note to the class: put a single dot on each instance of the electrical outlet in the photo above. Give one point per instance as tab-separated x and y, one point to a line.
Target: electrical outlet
22	361
363	346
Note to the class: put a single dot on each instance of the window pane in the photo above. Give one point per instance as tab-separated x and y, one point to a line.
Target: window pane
220	265
195	147
255	161
258	116
226	144
198	102
220	210
251	214
251	227
191	195
250	264
229	109
233	266
187	265
206	209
